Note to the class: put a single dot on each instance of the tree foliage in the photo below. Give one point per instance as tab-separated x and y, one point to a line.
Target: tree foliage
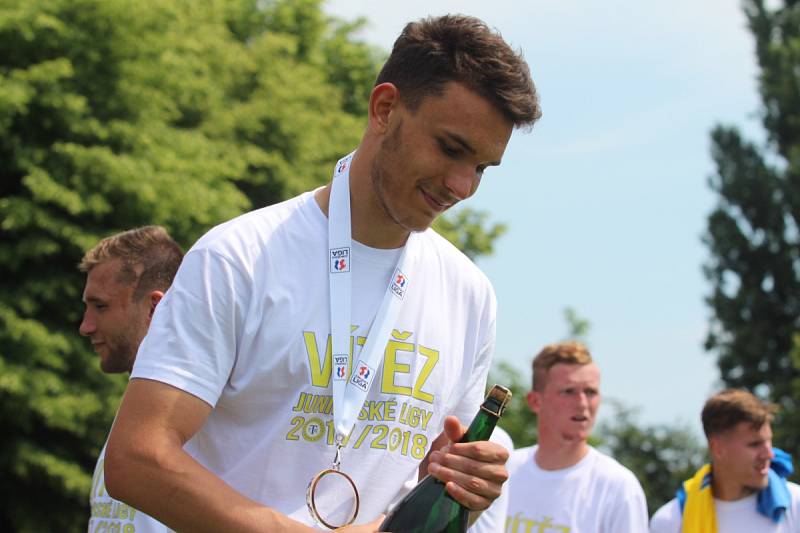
753	234
116	114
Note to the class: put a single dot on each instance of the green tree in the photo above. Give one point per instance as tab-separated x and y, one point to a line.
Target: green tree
115	114
753	235
577	327
468	231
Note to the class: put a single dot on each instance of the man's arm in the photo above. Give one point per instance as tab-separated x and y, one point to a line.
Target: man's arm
147	467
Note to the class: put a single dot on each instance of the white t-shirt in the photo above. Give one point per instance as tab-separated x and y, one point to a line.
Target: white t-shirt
739	516
493	519
108	514
245	327
595	495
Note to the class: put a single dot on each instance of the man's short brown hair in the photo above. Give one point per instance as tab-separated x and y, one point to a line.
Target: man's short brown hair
150	258
723	411
567	352
455	48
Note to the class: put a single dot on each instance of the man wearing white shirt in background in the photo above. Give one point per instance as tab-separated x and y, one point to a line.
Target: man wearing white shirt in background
744	489
127	274
563	483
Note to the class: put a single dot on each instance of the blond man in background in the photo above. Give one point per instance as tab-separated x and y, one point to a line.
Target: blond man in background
127	274
562	483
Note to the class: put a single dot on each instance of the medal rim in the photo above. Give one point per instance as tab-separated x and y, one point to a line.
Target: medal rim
311	500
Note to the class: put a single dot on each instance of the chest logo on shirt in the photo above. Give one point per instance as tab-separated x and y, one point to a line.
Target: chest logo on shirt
340	260
519	524
363	375
399	283
405	370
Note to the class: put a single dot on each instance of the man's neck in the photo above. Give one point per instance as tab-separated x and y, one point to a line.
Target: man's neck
370	225
561	454
728	490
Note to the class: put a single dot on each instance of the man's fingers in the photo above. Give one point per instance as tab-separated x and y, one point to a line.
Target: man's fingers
482	481
474	472
477	476
484	451
471	501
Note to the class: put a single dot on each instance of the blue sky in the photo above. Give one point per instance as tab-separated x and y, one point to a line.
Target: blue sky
606	199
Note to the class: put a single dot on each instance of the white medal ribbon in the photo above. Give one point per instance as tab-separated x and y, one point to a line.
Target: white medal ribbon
350	390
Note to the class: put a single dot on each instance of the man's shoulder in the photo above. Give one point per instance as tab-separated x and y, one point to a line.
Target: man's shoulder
447	249
255	229
794	492
606	467
518	458
667	519
452	260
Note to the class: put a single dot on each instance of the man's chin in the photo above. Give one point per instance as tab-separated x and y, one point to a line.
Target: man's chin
110	366
757	486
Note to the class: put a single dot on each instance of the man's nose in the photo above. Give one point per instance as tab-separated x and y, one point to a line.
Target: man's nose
87	326
769	453
462	181
582	399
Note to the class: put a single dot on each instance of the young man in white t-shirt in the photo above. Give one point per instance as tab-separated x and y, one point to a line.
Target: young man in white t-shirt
744	489
563	483
127	274
230	410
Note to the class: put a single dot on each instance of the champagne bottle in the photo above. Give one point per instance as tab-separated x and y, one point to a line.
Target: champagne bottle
429	508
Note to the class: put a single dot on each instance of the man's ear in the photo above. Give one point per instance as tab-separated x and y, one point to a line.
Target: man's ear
534	402
382	101
155	297
716	447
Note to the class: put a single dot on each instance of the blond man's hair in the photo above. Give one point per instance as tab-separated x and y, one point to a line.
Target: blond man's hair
567	352
724	411
150	258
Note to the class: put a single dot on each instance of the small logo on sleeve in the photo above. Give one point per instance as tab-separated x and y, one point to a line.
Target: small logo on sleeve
363	375
342	165
399	284
340	260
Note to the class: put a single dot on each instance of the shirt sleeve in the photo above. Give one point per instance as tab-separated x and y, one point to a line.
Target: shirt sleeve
630	507
667	519
192	340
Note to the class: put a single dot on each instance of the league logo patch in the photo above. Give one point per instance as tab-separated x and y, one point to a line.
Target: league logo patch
363	375
340	260
340	367
399	283
342	165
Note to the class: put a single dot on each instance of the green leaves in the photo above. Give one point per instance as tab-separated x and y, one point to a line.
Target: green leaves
753	232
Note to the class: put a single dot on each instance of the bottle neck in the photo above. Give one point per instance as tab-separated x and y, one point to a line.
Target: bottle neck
484	422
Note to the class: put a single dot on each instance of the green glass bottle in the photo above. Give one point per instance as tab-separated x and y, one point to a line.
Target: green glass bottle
428	508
